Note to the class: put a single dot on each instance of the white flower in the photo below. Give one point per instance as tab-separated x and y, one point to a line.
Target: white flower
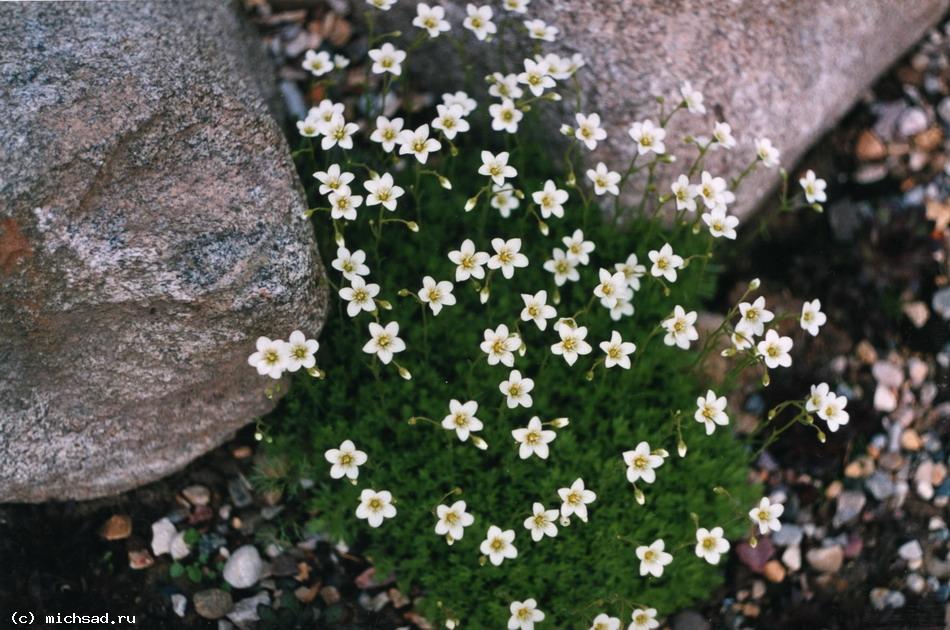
499	345
692	98
505	116
740	340
382	191
382	5
375	507
453	519
684	193
462	420
271	357
436	294
343	204
754	317
812	318
308	128
350	265
605	181
611	287
648	137
504	86
832	411
517	390
665	263
632	271
387	132
524	615
496	167
536	309
387	58
641	463
418	143
479	21
722	136
617	351
714	191
516	6
589	130
680	328
538	29
643	619
430	19
711	411
318	63
507	256
550	200
325	111
300	351
563	267
337	132
720	223
575	499
817	396
541	523
766	153
653	558
384	341
346	460
623	307
814	188
360	296
498	545
503	199
774	349
469	263
572	343
533	439
340	62
577	248
333	179
603	621
536	77
450	120
766	514
710	544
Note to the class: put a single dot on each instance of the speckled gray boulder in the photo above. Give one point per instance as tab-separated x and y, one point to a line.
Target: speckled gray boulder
149	232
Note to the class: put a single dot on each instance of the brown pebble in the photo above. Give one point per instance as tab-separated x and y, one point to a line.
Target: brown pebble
330	595
242	452
305	595
929	140
140	559
860	468
834	489
866	352
774	571
910	440
869	147
118	527
891	461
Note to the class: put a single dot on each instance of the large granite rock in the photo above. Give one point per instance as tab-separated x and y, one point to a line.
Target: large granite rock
149	231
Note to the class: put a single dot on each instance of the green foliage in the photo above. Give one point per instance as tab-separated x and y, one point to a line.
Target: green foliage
589	567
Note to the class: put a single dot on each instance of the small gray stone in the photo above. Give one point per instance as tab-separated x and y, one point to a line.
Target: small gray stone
690	620
197	494
240	494
849	506
163	533
943	109
244	614
911	550
179	603
792	558
789	536
825	559
243	569
912	121
878	597
887	373
213	603
895	599
941	302
916	583
880	485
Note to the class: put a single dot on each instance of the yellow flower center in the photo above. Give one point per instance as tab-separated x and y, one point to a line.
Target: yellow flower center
532	437
375	504
346	459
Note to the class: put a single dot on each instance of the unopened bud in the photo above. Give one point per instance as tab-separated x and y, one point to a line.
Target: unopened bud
483	294
339	240
817	207
545	230
766	379
479	443
821	437
470	204
385	305
771	414
553	96
406	374
444	181
590	375
522	349
404	293
753	542
567	130
755	284
482	560
639	496
316	372
454	150
517	192
571	179
728	352
413	226
560	423
565	521
681	448
450	541
662	452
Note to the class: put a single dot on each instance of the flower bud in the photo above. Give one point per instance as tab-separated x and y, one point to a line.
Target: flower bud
449	539
681	448
482	560
772	413
696	229
413	226
754	285
662	452
553	96
560	423
571	179
753	542
766	379
470	204
339	239
404	293
545	230
406	374
316	372
567	130
728	352
590	375
821	437
639	496
444	181
522	349
483	294
454	150
565	521
517	192
479	443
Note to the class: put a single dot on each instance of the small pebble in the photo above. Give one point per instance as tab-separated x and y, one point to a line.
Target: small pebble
825	559
179	603
773	572
197	495
911	551
163	532
792	558
243	569
118	527
910	440
212	603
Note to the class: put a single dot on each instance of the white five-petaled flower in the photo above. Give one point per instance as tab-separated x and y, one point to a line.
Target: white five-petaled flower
814	188
498	545
578	249
603	621
431	19
605	181
384	341
350	265
653	558
343	203
478	20
541	523
346	460
340	62
517	390
766	514
572	343
500	345
300	351
648	137
516	6
817	396
562	266
632	271
710	544
504	86
623	307
611	288
588	130
337	132
505	116
418	143
387	132
453	519
504	200
318	63
617	351
722	136
665	263
461	419
333	179
496	167
382	191
468	262
533	439
575	499
507	256
271	357
450	120
325	111
436	294
714	191
832	411
387	58
774	350
643	619
462	99
766	153
524	615
812	318
710	411
680	328
740	340
382	5
684	193
309	127
641	463
754	317
538	29
536	309
536	76
375	507
692	98
550	200
720	223
359	296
